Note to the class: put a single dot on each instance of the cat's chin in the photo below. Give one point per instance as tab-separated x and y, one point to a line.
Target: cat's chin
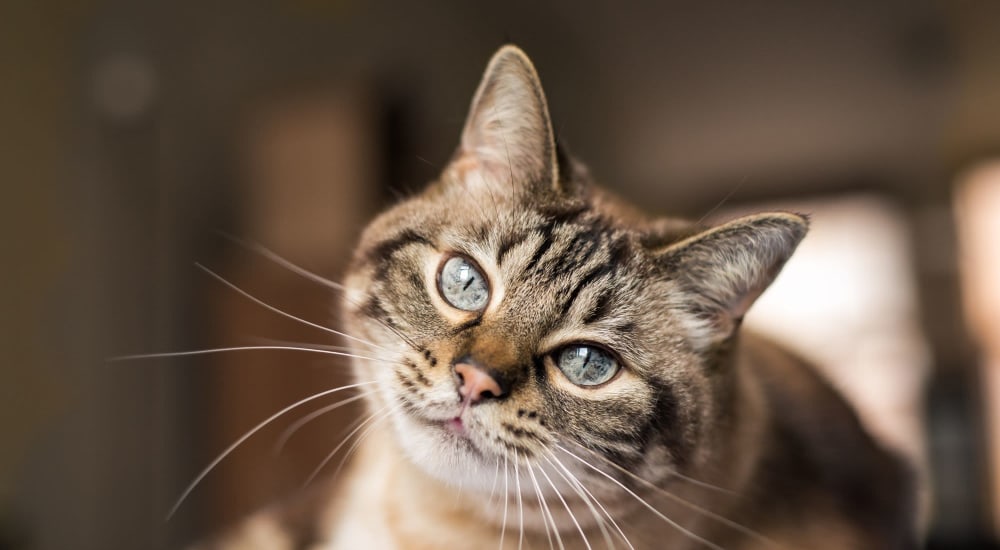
446	450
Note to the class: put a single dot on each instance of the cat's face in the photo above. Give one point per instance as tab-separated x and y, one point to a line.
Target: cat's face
552	312
516	315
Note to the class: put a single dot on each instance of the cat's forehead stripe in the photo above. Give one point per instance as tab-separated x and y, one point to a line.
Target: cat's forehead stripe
543	246
593	277
385	248
508	243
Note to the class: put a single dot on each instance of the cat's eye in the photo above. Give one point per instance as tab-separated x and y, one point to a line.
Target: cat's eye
462	285
586	365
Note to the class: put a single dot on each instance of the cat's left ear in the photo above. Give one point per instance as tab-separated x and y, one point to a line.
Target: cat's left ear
723	270
507	142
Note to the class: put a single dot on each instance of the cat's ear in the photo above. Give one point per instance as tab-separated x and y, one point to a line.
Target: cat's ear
507	142
723	270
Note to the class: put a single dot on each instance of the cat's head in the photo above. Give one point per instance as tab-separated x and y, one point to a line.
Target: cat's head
517	313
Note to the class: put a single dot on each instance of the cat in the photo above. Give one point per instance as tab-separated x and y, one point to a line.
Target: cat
553	368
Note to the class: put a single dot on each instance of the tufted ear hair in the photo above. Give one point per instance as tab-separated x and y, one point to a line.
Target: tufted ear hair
507	142
723	270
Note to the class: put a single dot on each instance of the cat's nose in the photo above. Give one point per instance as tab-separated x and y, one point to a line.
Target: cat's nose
475	384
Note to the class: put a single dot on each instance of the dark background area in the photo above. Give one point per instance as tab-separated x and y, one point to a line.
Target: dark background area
131	132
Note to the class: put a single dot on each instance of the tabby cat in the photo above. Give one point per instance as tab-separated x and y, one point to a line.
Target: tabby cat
553	369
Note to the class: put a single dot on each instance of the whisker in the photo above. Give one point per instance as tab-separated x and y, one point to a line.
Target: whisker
546	514
673	472
724	200
328	347
520	507
209	351
345	433
370	419
659	514
298	424
425	161
264	304
312	276
506	496
282	261
690	505
493	487
357	442
345	351
247	435
703	484
572	516
588	498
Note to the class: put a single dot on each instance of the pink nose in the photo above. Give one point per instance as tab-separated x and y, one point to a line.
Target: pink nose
475	384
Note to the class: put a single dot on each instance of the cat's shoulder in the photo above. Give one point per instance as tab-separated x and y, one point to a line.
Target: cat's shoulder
815	435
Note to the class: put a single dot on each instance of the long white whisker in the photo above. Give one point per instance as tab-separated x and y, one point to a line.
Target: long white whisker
673	472
572	516
344	351
381	413
496	476
596	501
247	435
345	433
546	515
520	506
357	441
690	505
703	484
586	497
298	424
659	514
310	345
209	351
283	262
268	306
299	270
506	496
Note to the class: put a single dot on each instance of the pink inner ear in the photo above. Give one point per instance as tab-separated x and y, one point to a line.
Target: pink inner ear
464	164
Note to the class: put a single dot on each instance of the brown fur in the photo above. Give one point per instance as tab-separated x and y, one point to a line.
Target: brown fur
728	441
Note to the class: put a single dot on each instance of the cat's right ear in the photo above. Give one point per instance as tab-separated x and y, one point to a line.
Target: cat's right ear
507	142
723	270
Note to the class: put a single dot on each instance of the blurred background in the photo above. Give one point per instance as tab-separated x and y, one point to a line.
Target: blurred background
132	133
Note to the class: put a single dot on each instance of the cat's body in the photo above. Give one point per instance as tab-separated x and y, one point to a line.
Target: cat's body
541	347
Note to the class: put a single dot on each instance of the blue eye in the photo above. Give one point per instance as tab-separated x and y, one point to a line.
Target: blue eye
586	365
462	285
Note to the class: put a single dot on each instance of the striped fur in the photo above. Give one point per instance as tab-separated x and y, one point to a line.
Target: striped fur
753	448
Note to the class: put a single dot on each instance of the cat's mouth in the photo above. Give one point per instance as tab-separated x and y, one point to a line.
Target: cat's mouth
456	426
459	430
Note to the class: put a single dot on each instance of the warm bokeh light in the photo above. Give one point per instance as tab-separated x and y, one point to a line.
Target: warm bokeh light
847	300
977	211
